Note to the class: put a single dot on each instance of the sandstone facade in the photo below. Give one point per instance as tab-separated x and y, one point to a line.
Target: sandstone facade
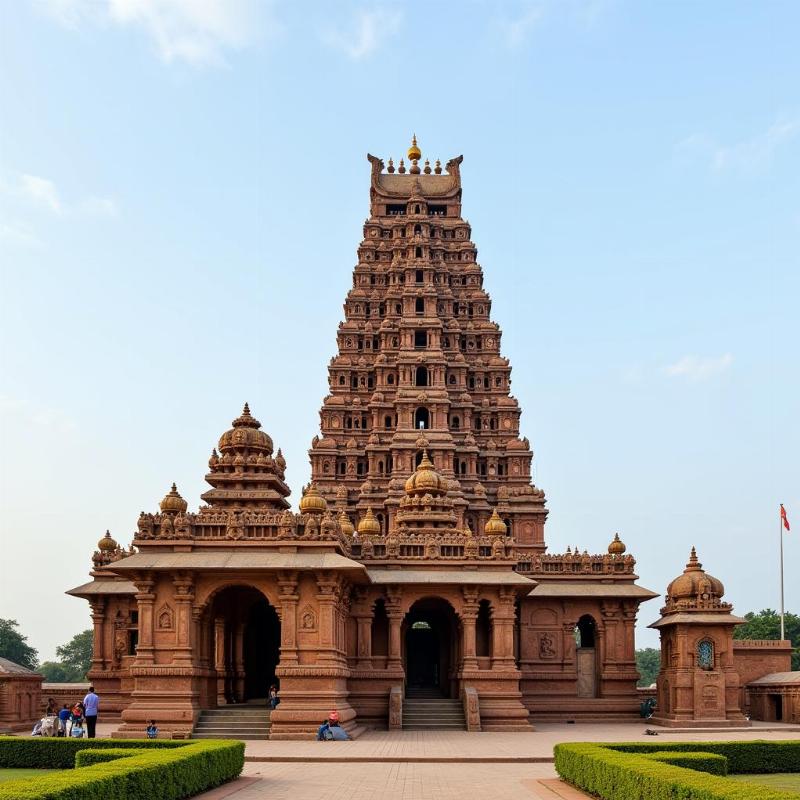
417	558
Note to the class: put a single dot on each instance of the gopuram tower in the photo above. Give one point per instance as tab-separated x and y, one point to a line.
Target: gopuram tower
418	353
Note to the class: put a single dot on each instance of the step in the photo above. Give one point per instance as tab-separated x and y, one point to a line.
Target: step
240	711
224	723
249	736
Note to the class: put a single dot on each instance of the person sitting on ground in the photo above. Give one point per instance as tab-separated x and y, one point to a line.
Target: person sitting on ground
63	719
76	721
52	708
273	697
152	730
331	730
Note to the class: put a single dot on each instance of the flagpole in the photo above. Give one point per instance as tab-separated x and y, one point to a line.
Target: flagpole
780	533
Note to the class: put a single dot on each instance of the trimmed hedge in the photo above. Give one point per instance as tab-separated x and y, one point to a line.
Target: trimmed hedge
85	758
53	753
749	758
702	762
165	770
628	771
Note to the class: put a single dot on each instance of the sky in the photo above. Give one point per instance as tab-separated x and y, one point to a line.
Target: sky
183	185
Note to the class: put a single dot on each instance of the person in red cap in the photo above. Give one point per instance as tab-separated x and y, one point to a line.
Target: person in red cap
330	730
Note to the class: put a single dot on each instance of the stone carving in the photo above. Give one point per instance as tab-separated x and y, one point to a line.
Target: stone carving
165	618
547	646
308	620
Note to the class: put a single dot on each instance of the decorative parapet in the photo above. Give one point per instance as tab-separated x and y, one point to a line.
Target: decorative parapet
433	545
575	564
211	525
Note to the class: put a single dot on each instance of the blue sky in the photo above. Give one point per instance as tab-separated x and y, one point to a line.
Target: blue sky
182	189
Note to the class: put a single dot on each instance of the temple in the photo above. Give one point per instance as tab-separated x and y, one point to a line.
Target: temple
412	587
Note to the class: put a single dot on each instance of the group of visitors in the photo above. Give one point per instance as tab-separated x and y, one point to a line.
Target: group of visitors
78	721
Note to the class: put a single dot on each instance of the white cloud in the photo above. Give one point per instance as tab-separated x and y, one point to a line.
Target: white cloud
197	32
698	368
752	156
41	191
18	234
516	31
32	199
369	30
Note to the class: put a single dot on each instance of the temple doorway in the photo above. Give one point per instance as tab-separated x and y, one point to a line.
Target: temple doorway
586	656
431	648
245	645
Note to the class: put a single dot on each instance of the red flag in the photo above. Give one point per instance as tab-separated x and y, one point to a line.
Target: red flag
784	518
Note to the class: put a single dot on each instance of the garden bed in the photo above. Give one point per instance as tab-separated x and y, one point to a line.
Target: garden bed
689	770
129	769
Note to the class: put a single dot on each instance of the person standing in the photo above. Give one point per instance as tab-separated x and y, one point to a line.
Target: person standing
91	705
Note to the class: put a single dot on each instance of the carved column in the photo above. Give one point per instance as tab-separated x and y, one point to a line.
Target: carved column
238	662
503	632
219	658
184	595
395	615
328	598
145	597
469	618
98	639
287	587
362	611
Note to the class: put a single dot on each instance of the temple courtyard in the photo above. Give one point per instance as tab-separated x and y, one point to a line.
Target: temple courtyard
417	765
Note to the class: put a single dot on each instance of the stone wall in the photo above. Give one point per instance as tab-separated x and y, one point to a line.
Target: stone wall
20	698
68	693
754	658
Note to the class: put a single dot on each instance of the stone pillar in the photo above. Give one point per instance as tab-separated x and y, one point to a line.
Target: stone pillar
219	658
328	598
238	662
395	615
184	595
145	597
287	587
503	632
98	638
469	618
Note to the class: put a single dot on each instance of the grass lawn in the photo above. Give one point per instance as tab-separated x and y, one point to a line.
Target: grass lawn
779	780
18	774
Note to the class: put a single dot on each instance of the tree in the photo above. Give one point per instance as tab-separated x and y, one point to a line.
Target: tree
55	673
14	646
76	655
766	624
648	662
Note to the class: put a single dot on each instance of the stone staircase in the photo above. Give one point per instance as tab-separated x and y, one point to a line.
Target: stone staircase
233	722
427	710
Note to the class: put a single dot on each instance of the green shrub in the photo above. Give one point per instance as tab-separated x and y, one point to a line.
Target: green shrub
162	769
40	752
85	758
625	772
702	762
743	757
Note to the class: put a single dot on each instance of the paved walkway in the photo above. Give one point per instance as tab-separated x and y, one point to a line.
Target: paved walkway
456	746
432	765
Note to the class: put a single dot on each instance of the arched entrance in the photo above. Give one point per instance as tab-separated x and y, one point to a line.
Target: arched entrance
431	647
245	644
586	656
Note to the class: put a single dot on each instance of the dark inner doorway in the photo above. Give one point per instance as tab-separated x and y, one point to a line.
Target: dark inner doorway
430	647
262	642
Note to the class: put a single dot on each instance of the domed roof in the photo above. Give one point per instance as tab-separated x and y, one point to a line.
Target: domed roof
495	524
694	583
312	502
345	524
617	546
245	433
107	543
426	478
173	502
414	153
369	523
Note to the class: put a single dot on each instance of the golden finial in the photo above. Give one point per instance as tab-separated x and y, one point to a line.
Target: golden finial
414	153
